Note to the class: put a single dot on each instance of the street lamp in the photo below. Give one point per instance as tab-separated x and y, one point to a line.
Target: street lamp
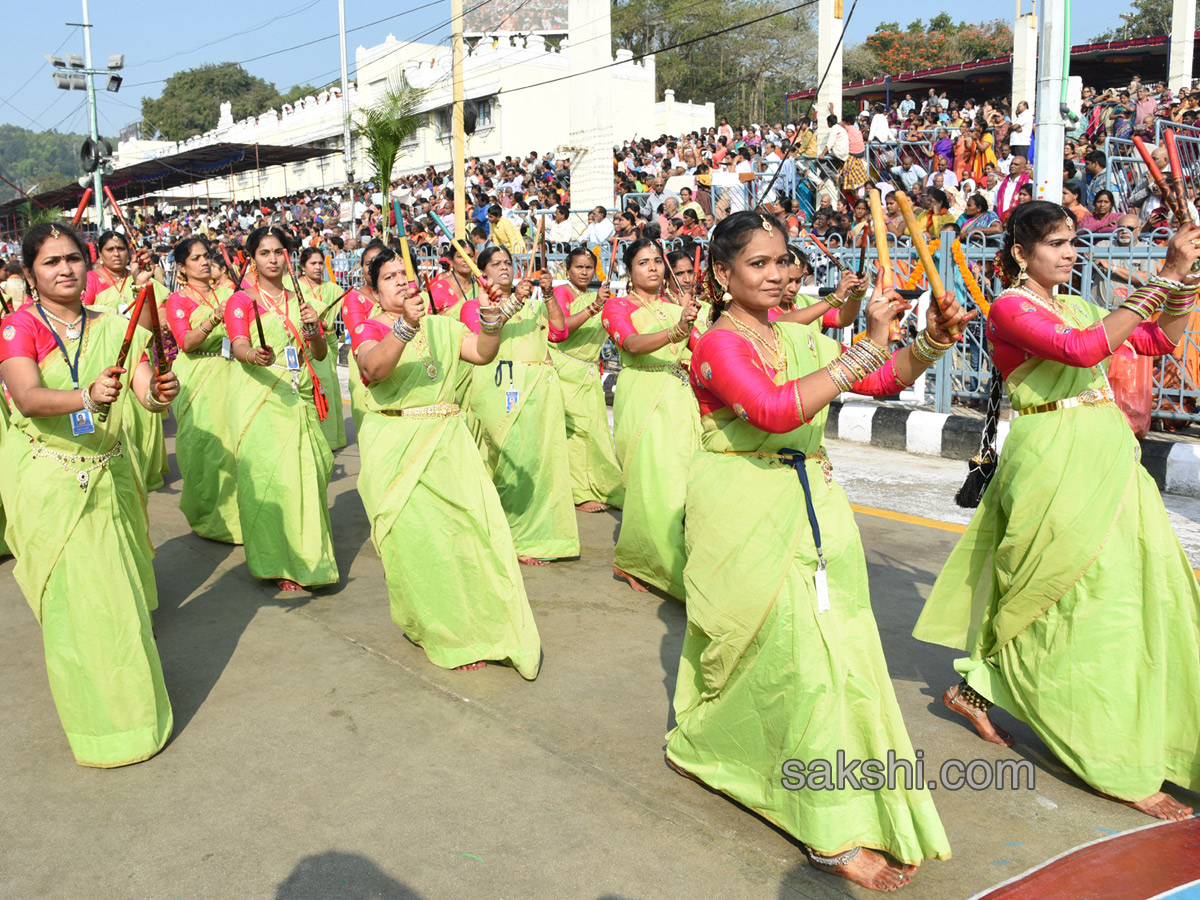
75	73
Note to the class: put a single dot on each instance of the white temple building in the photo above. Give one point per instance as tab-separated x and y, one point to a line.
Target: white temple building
518	85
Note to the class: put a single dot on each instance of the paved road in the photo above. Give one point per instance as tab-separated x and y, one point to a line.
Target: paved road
317	754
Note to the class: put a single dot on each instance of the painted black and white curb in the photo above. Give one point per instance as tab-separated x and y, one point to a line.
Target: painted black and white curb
1173	463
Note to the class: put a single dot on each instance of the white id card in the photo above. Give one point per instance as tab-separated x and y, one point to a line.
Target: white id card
226	348
81	423
510	400
291	358
822	586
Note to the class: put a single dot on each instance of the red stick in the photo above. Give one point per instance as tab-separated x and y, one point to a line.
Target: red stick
429	291
696	269
134	315
87	195
161	366
1157	177
612	262
120	215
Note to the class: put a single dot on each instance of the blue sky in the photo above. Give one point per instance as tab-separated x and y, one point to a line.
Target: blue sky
184	35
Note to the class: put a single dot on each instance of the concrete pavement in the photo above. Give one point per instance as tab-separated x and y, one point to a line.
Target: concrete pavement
317	753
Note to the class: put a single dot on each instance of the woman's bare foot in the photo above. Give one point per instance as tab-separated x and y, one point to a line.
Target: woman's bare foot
1160	806
685	774
532	561
286	584
592	506
471	667
978	717
633	582
865	867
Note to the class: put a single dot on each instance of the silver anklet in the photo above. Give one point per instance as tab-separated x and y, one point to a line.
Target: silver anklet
833	861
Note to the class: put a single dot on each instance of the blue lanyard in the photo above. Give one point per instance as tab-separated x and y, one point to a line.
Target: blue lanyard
73	366
796	460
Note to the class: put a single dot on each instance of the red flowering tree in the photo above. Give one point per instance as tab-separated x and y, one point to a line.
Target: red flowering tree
891	49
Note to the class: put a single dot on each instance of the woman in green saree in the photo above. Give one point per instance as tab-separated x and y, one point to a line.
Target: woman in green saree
356	308
452	574
77	509
114	284
517	417
322	296
1069	589
656	426
283	460
595	474
205	436
781	666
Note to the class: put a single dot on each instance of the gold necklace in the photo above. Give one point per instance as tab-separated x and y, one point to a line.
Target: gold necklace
660	315
780	364
421	346
1051	304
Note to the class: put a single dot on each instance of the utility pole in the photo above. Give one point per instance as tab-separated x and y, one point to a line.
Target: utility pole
97	187
1049	135
1128	17
457	145
347	154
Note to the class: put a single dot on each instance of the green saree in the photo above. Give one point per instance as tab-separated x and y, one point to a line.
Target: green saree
205	436
595	474
765	676
145	440
85	562
334	426
1072	594
657	431
524	449
453	580
283	464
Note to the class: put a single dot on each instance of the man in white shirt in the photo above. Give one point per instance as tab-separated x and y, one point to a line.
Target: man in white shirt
1021	135
837	141
599	230
879	126
560	230
949	179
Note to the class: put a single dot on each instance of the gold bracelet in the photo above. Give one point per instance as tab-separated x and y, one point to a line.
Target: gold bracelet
154	405
835	301
927	350
843	378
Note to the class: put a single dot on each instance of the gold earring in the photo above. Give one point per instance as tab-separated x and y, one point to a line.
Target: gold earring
1022	276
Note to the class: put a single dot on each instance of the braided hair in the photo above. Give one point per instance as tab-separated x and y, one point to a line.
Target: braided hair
728	239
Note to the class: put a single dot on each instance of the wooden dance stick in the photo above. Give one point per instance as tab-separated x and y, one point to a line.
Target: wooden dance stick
918	238
883	260
116	207
696	270
161	363
1177	180
134	315
409	272
862	254
662	248
437	220
87	195
1160	181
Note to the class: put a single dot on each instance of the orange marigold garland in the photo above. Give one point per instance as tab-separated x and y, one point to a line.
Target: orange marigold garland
968	276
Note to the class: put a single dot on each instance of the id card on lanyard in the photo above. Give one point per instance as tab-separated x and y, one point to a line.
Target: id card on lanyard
511	396
81	421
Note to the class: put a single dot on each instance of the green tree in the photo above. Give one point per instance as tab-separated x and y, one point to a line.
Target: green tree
1150	18
386	125
37	160
190	102
745	72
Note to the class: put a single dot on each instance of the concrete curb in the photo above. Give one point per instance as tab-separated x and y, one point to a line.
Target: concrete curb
1173	463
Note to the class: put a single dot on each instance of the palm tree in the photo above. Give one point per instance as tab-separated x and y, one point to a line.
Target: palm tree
386	126
30	215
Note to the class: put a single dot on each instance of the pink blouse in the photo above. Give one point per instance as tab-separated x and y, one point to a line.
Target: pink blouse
726	371
618	322
1020	330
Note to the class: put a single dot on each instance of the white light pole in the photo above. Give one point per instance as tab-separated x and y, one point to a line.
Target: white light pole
1050	132
347	155
78	74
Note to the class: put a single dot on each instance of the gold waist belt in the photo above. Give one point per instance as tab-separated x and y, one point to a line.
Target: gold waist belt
1090	397
675	369
436	411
